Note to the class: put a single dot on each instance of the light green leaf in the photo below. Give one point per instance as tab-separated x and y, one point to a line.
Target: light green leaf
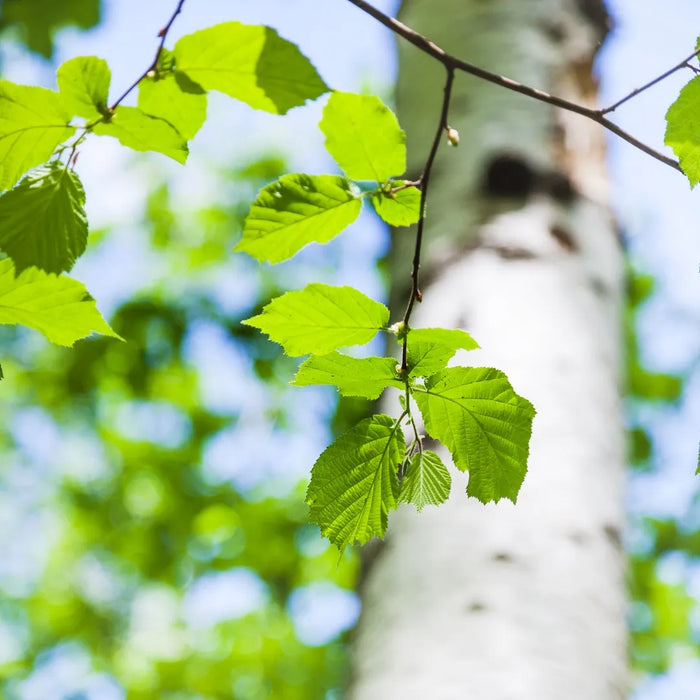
250	63
142	132
177	99
400	208
426	481
485	425
683	130
58	307
43	221
33	122
297	210
364	136
430	349
366	377
83	83
320	318
353	483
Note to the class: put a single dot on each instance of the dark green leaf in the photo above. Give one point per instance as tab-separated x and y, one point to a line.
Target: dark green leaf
297	210
485	425
42	220
83	83
33	122
251	63
353	483
400	208
426	481
320	318
364	136
366	377
142	132
58	307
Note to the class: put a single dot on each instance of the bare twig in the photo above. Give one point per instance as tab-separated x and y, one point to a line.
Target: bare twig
454	63
163	34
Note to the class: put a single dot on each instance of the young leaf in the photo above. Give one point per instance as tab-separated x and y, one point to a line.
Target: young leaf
33	121
297	210
353	483
177	99
142	132
366	377
426	481
485	425
42	220
430	349
683	130
250	63
400	208
83	83
364	136
320	318
58	307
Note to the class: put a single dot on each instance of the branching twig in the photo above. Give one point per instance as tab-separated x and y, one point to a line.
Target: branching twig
415	294
454	63
163	34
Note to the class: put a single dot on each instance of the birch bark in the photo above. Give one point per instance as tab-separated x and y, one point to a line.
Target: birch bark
506	602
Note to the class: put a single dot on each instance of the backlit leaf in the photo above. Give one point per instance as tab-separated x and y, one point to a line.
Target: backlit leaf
83	83
366	377
485	425
364	136
58	307
426	481
430	349
320	318
33	122
353	483
297	210
683	130
400	208
250	63
43	221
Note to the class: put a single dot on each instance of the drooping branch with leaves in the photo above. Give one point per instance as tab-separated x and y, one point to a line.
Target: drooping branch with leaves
382	461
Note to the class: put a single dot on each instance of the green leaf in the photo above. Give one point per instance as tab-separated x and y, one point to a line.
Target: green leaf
430	349
42	220
364	136
485	425
83	83
176	98
142	132
400	208
320	318
366	377
683	130
297	210
250	63
353	483
33	122
58	307
426	481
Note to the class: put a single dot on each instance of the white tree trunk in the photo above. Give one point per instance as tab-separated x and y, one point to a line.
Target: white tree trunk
506	602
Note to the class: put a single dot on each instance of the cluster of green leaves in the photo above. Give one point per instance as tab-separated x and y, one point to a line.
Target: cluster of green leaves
369	469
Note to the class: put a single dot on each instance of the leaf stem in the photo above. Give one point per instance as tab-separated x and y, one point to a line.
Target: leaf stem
163	33
454	63
415	294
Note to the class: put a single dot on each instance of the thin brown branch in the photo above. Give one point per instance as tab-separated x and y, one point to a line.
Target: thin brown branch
683	64
415	294
163	34
455	63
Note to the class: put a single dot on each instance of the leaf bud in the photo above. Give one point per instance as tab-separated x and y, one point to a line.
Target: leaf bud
452	136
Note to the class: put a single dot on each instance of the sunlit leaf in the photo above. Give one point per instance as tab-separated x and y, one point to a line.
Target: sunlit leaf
353	483
400	208
683	130
43	221
58	307
364	136
430	349
83	83
251	63
485	425
426	481
297	210
319	319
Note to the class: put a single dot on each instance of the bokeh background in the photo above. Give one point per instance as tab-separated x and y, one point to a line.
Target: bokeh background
153	536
